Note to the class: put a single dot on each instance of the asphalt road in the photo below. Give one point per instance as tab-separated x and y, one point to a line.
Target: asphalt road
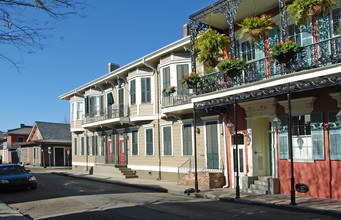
62	197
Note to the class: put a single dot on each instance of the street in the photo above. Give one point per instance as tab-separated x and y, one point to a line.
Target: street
63	197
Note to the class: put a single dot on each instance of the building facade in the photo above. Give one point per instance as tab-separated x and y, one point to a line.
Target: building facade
285	114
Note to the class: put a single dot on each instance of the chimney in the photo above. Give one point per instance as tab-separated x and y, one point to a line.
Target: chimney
112	67
186	30
22	125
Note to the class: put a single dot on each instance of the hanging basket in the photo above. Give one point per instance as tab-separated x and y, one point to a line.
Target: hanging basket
285	57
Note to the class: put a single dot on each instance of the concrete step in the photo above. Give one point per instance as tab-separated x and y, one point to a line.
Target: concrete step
264	178
255	191
261	182
121	165
131	176
259	187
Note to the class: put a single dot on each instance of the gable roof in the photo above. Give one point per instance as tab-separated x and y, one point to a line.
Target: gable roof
25	130
53	131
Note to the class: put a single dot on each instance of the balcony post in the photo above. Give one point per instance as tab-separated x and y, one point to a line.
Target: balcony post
195	151
284	24
193	33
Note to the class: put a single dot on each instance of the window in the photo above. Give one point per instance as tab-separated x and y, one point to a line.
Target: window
93	106
248	52
100	146
149	142
133	92
307	137
187	140
79	110
334	136
72	111
82	145
20	139
75	146
145	90
181	72
167	141
166	78
134	143
88	145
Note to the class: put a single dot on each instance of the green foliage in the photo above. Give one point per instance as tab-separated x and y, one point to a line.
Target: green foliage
284	51
255	27
301	10
210	46
231	67
191	80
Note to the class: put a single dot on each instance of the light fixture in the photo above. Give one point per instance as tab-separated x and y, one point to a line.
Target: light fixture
276	122
198	130
231	127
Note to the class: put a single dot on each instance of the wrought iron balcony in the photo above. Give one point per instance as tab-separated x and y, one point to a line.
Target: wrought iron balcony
323	53
112	112
177	99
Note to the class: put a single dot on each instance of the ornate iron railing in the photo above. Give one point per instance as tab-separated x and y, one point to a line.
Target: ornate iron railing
111	112
172	100
323	53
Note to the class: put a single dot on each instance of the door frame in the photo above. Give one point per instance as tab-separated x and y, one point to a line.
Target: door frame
210	120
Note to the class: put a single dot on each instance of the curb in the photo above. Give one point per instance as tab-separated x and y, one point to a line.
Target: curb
281	206
139	186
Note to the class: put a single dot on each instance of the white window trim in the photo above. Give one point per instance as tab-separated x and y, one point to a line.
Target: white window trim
131	143
80	145
208	119
172	141
75	147
145	141
182	139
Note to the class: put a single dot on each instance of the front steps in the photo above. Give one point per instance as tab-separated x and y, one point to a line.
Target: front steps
260	186
120	171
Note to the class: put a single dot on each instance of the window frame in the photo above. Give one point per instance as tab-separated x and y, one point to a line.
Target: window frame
146	140
146	97
171	140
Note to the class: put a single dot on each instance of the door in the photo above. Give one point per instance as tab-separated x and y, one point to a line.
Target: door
122	152
110	152
212	145
59	156
260	146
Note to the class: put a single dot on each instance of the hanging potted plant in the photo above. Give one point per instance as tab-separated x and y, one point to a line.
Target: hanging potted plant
192	80
283	52
301	10
169	91
231	67
210	46
255	27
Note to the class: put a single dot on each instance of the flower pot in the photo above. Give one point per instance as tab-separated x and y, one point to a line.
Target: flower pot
285	57
232	73
256	33
316	10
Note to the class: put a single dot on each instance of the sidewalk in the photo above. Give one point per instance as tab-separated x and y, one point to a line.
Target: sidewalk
304	204
330	207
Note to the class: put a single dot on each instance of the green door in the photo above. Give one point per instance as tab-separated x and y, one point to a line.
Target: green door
212	145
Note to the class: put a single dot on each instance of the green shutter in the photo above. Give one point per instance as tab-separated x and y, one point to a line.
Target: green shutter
187	140
148	90
143	90
167	141
283	137
166	78
110	98
134	143
149	142
86	101
334	136
82	145
132	92
75	146
316	126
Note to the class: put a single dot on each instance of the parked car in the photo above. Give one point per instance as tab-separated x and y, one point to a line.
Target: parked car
15	176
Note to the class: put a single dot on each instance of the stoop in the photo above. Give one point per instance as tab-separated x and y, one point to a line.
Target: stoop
117	171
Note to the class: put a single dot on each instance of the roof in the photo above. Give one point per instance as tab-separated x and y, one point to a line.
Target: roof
141	61
26	130
54	131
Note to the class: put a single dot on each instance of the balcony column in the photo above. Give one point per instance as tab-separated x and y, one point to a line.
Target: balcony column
193	31
284	24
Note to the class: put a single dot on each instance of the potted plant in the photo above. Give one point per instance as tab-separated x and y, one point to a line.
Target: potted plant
255	27
169	91
283	52
301	10
191	80
231	67
210	46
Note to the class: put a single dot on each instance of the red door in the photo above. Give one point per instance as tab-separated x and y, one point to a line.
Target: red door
121	152
110	151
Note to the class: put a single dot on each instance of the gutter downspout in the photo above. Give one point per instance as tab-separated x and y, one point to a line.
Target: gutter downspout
157	101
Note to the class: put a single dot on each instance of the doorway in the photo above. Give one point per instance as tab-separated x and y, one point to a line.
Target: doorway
212	145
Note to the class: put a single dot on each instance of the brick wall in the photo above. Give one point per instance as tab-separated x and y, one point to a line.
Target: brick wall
205	180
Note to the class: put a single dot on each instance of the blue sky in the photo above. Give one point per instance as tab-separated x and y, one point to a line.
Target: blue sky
79	51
